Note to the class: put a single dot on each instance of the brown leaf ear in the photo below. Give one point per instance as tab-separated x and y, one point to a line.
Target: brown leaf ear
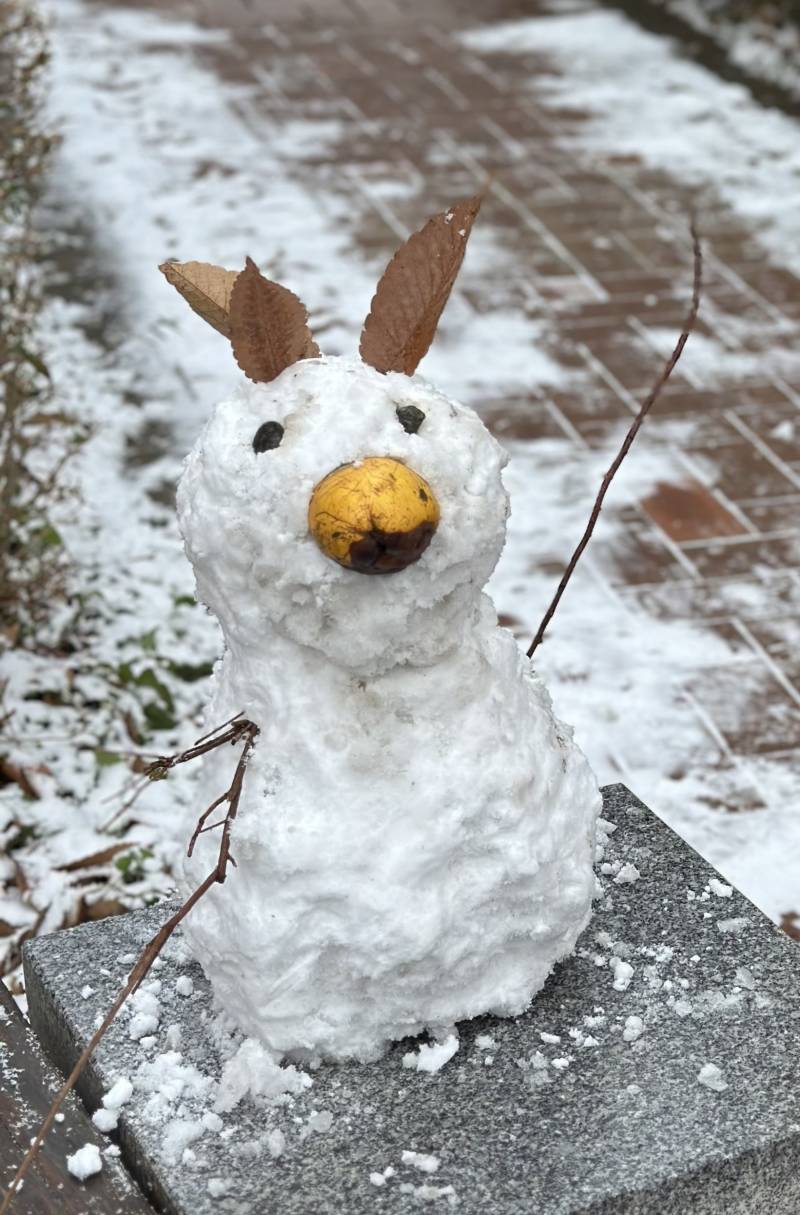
414	289
206	289
268	326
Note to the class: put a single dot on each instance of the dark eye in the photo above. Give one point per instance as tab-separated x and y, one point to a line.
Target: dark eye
268	435
410	418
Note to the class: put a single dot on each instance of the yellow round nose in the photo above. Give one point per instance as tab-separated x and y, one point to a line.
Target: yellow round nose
377	516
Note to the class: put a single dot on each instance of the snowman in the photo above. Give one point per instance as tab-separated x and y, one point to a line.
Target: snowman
415	836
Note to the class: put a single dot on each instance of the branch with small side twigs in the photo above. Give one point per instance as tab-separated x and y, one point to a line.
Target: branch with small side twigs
158	768
647	405
236	730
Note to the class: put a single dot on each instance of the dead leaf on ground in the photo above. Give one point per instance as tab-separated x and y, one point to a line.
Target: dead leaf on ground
94	859
100	909
15	774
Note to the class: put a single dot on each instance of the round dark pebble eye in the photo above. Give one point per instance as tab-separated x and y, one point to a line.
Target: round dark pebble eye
268	435
410	418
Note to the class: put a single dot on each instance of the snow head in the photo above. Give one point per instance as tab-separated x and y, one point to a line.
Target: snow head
352	512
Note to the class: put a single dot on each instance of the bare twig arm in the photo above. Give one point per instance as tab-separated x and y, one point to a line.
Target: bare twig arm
243	729
647	405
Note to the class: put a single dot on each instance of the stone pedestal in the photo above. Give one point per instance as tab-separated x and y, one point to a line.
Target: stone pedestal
657	1071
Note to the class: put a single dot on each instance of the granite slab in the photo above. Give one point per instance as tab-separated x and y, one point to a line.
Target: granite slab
656	1072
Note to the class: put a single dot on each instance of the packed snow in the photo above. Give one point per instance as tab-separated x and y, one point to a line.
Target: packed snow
415	837
85	1162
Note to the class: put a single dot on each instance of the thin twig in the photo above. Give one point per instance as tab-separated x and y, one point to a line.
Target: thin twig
234	729
248	731
647	405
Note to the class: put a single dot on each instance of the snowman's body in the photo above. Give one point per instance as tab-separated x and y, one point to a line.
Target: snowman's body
415	837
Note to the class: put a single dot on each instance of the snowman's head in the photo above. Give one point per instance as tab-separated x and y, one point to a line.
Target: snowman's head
348	507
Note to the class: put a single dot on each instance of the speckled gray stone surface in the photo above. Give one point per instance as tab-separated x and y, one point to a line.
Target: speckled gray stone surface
569	1111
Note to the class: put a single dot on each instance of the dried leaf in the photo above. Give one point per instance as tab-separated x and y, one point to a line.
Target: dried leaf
100	909
206	289
16	774
414	289
269	329
95	859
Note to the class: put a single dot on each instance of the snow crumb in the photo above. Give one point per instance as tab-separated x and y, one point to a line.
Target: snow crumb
734	926
429	1193
745	978
146	1011
562	1063
105	1120
623	973
212	1122
184	986
178	1135
218	1187
276	1143
634	1028
377	1179
485	1042
85	1162
606	827
552	1039
86	992
784	430
173	1036
255	1070
720	889
683	1008
627	875
142	1025
432	1058
425	1164
711	1077
321	1122
120	1092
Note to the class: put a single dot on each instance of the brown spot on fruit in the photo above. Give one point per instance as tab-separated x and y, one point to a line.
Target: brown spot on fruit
387	552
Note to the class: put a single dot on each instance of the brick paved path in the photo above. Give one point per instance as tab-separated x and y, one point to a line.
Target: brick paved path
595	252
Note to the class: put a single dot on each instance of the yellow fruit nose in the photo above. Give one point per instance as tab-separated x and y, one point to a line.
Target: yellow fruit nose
377	516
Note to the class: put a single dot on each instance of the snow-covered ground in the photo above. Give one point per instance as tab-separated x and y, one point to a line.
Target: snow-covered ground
764	44
161	158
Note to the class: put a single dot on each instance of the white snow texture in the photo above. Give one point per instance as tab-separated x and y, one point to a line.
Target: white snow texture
415	837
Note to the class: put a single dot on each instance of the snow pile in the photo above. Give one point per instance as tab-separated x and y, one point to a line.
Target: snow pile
85	1162
416	833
